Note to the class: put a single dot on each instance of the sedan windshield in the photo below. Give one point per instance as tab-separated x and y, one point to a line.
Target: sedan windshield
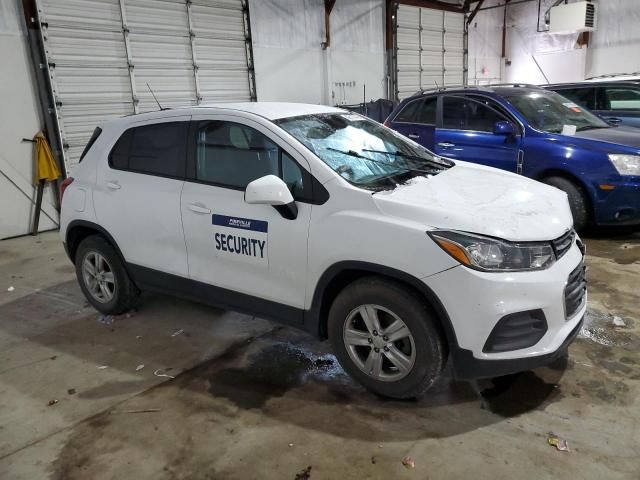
363	152
550	112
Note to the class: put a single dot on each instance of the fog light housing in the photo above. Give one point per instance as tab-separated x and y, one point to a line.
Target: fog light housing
516	331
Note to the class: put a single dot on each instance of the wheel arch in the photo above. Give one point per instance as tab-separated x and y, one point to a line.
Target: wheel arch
557	172
339	275
78	230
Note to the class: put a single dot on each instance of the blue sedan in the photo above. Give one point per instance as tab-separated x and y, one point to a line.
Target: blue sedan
536	133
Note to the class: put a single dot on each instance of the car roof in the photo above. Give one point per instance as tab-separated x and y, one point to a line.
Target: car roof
268	110
594	83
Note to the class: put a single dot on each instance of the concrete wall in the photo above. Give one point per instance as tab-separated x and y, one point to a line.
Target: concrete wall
19	117
291	65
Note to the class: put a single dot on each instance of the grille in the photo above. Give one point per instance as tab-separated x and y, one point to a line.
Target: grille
575	290
590	15
562	244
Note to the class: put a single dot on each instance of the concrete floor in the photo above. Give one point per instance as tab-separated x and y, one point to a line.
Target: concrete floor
255	400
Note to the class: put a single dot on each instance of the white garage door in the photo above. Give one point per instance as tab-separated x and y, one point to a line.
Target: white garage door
429	49
103	53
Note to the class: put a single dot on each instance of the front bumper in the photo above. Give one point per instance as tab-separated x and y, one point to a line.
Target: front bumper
476	301
619	206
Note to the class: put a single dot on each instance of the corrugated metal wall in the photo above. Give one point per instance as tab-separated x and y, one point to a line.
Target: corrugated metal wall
103	53
429	49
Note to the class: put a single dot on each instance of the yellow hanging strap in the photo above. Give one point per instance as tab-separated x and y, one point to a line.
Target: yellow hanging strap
46	167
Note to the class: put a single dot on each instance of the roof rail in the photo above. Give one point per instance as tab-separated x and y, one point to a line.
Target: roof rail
527	85
478	87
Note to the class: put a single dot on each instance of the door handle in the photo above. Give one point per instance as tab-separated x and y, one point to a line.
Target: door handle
413	135
613	120
113	185
198	208
446	144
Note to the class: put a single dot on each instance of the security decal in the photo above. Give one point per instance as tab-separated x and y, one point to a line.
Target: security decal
241	238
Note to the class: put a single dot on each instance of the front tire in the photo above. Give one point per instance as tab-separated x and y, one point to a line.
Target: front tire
386	338
102	276
577	200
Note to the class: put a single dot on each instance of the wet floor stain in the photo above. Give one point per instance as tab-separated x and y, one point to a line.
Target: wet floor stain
273	371
609	330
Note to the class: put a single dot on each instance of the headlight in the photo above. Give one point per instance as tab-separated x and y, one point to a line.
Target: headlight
626	164
493	255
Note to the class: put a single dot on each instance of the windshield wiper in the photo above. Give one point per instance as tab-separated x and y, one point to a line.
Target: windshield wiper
412	157
591	127
353	153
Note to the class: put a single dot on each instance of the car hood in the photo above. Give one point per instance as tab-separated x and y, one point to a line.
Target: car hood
482	200
627	136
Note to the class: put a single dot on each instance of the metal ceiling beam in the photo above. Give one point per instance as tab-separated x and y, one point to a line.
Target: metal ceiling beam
475	12
433	4
328	7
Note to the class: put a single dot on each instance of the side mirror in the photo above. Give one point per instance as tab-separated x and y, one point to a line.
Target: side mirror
503	128
271	190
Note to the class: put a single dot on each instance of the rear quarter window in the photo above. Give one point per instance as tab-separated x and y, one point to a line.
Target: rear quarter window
155	149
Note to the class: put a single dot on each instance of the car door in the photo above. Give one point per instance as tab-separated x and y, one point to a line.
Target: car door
252	250
466	132
620	104
417	120
137	194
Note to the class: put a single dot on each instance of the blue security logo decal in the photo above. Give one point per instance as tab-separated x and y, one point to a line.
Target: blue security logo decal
242	223
243	239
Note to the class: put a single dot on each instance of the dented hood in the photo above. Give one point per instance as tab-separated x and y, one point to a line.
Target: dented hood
483	200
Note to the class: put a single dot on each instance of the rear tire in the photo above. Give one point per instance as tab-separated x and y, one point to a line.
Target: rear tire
577	200
402	368
103	277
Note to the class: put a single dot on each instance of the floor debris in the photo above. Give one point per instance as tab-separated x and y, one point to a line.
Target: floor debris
373	460
102	367
408	462
139	367
560	443
619	322
52	402
105	319
177	332
304	474
141	410
71	391
11	288
160	373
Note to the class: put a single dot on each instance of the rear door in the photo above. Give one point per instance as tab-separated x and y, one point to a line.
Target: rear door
417	120
620	104
137	194
246	248
465	132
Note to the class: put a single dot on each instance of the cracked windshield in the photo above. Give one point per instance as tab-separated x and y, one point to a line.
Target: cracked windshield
363	152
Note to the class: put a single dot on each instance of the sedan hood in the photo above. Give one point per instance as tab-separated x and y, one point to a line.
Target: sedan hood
482	200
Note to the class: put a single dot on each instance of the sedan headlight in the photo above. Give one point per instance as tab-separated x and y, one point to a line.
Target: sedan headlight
493	255
626	164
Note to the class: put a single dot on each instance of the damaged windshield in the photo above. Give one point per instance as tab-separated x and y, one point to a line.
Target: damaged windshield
361	151
550	112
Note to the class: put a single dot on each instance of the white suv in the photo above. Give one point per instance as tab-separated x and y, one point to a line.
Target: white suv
330	222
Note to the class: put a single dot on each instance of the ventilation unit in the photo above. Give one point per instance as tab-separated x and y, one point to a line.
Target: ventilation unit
573	17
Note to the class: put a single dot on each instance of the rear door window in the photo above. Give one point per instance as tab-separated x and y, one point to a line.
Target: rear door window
409	113
156	149
585	97
621	98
